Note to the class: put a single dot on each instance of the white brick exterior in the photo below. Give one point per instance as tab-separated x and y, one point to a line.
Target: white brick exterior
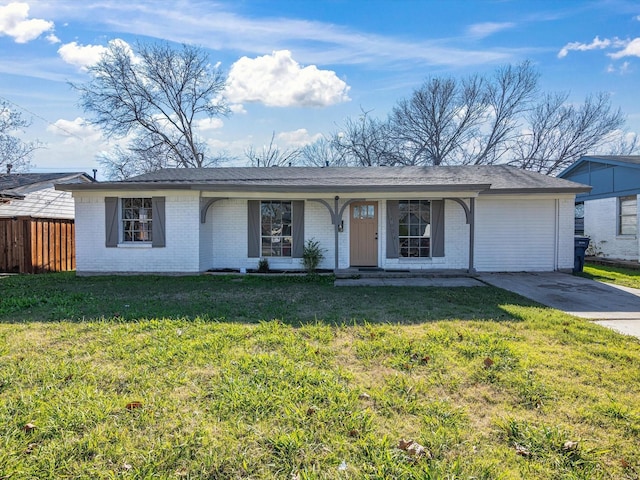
181	254
511	234
601	226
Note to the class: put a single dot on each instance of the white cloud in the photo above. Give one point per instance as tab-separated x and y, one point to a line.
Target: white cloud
14	23
52	38
84	56
81	56
206	124
582	47
631	49
277	80
488	28
79	129
298	138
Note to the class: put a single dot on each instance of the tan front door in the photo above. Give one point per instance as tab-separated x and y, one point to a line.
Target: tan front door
364	234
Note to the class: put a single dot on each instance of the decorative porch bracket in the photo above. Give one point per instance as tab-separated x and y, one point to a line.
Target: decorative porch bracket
205	203
336	218
470	214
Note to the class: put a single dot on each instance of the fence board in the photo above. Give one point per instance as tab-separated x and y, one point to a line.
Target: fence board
34	245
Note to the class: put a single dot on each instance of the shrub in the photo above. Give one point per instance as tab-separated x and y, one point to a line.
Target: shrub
263	265
312	255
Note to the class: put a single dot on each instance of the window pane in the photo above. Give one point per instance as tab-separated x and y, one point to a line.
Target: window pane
414	228
276	228
136	219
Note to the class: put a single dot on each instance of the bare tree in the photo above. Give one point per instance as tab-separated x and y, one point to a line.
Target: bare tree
507	96
559	133
365	141
157	95
13	150
271	155
472	120
321	153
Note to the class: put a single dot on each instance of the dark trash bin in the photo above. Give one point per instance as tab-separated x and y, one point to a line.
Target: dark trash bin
580	247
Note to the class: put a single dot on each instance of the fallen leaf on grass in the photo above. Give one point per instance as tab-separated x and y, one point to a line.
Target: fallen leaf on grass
488	362
29	427
522	451
30	448
133	405
414	449
569	445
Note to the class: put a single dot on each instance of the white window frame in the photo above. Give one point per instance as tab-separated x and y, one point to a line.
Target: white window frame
408	237
146	234
627	222
280	241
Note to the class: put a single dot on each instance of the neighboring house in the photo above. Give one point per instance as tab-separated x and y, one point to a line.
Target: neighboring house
36	222
608	213
473	218
34	195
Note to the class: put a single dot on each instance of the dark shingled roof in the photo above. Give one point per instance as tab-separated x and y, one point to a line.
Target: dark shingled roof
481	178
11	183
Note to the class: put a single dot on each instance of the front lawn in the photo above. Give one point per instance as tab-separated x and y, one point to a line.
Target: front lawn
228	377
627	277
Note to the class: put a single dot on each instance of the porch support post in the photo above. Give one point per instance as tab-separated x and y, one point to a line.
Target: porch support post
336	219
470	215
336	227
472	223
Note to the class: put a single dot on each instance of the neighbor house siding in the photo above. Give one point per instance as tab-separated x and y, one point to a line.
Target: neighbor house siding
601	226
180	255
515	235
41	203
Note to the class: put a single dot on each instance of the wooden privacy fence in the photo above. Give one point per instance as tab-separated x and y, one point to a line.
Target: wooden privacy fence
36	245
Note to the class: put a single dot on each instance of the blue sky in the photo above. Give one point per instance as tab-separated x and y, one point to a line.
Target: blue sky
300	67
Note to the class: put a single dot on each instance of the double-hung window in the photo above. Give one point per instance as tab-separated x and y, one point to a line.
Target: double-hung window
275	228
135	221
137	218
276	232
579	219
414	228
627	215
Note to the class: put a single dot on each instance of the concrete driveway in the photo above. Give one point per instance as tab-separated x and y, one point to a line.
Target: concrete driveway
609	305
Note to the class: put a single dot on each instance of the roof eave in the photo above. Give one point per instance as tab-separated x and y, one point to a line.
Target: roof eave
225	187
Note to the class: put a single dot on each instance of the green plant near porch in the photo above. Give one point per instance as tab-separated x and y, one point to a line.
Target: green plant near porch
312	255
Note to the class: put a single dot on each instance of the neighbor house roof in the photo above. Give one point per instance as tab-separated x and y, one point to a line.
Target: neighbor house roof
14	185
632	161
484	179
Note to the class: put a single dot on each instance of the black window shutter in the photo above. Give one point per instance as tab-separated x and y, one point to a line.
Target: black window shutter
111	221
298	228
253	224
392	229
158	222
437	228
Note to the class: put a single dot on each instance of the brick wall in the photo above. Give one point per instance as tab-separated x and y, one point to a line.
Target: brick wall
182	249
601	226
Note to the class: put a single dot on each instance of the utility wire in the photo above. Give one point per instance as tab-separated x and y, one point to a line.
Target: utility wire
41	118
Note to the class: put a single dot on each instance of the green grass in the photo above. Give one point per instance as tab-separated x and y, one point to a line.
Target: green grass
627	277
285	378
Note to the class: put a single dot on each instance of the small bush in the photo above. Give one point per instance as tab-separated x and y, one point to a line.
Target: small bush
263	265
312	255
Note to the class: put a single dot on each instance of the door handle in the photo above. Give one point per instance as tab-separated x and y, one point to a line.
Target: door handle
376	235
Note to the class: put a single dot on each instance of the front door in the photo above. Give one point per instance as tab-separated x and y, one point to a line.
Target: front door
364	234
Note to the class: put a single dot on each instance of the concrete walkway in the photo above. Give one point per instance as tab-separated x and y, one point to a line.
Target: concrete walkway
610	305
409	282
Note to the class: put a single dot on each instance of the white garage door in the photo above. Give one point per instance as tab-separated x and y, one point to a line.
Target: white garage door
514	235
